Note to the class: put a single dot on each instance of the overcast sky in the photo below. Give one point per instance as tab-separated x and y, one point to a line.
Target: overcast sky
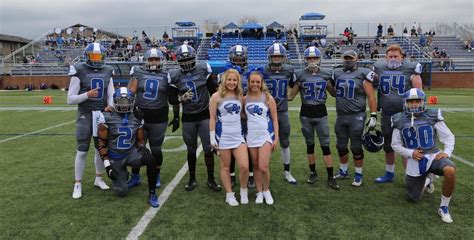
32	18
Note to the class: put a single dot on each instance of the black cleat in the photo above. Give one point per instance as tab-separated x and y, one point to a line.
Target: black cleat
333	184
251	183
313	177
191	185
213	185
232	180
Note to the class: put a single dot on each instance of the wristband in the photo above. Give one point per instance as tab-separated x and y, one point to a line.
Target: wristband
106	162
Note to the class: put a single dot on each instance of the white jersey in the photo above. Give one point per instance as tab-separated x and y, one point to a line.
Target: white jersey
228	126
259	123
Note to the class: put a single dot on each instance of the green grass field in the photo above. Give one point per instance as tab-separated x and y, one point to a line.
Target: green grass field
37	173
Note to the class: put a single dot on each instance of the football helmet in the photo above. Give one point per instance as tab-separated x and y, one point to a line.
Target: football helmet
154	53
186	57
123	100
372	140
238	56
414	94
277	55
312	52
94	55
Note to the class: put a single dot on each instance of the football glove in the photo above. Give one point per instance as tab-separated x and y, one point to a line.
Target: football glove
111	173
372	122
186	96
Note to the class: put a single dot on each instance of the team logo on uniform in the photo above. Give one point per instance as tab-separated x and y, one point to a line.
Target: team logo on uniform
254	109
232	108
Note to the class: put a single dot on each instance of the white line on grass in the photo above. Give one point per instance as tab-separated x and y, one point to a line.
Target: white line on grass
138	230
462	160
37	131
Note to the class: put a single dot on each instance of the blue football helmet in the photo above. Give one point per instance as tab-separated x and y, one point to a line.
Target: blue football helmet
94	55
186	57
276	50
123	100
312	52
414	94
372	142
238	56
154	53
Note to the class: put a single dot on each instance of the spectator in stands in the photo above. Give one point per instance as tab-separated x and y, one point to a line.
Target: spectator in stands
367	47
322	41
422	41
379	30
429	41
278	34
295	32
413	32
374	54
405	32
360	46
43	86
124	43
60	42
468	44
117	42
384	41
129	47
165	36
337	51
390	32
329	51
419	31
135	35
377	42
138	47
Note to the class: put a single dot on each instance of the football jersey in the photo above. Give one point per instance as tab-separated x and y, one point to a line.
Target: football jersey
393	83
122	130
350	93
277	83
151	87
313	86
422	134
92	78
194	80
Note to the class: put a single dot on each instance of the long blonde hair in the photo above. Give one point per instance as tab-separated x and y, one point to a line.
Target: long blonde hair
222	90
263	87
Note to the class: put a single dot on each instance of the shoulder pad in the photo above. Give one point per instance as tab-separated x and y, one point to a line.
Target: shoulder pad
397	120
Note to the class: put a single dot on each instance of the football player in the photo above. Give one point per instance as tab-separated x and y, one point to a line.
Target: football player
238	59
395	77
149	83
91	87
414	137
312	82
278	76
353	86
191	85
122	144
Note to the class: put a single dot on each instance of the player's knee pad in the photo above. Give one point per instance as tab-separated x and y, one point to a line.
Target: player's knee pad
342	151
357	153
121	191
82	147
284	143
326	150
310	149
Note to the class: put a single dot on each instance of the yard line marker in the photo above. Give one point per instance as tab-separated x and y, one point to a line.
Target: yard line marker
37	131
138	230
462	160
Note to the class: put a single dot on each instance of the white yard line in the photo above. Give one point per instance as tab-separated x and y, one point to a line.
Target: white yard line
462	160
138	230
37	131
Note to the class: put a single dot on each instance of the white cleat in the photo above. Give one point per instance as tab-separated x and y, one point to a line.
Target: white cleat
99	182
268	197
259	199
289	178
230	199
77	191
244	198
443	212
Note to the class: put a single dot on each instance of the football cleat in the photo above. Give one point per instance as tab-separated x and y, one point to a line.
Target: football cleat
268	197
211	183
134	181
259	198
77	191
251	183
99	182
357	180
443	212
342	174
153	200
388	177
289	178
158	181
333	184
313	177
191	185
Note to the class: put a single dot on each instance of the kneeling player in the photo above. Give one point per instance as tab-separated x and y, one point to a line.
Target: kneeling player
413	137
121	144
